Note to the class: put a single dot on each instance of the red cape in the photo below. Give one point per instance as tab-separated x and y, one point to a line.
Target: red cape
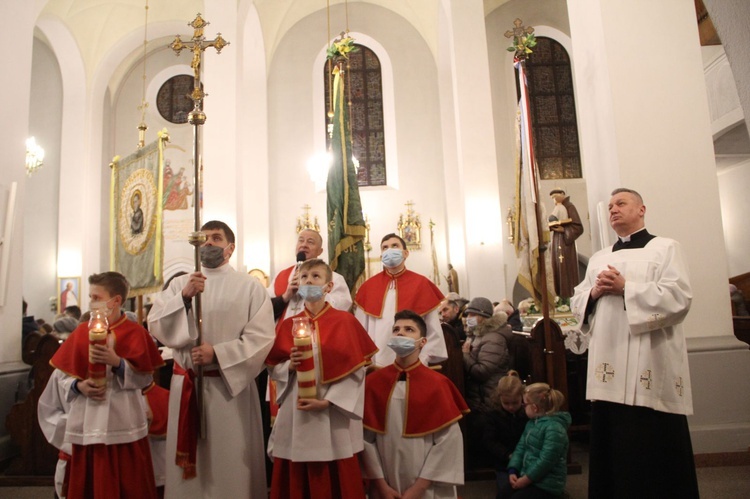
282	281
413	292
343	344
433	402
158	401
132	343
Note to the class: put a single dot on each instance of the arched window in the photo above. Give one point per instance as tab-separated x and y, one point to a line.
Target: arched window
365	91
553	111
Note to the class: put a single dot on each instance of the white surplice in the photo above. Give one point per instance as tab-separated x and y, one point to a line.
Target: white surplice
637	355
381	330
238	323
52	412
400	461
327	435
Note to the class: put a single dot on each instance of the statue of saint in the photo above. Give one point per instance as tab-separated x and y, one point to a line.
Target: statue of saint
566	227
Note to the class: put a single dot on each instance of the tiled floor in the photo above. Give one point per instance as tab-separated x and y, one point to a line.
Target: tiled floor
728	482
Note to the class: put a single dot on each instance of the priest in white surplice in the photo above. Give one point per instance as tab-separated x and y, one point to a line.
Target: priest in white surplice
286	301
633	299
238	333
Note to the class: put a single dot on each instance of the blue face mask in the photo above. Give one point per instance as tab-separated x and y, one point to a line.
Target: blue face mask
392	257
402	345
311	293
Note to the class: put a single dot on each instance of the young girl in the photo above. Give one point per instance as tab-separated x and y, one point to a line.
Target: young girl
538	466
504	424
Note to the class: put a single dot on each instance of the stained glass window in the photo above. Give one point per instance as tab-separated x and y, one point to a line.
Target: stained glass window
553	111
364	86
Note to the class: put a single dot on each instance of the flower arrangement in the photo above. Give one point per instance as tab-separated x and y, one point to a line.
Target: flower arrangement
523	44
561	305
341	47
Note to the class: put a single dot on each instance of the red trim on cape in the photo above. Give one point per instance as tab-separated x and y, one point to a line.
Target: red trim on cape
413	292
433	402
131	342
343	344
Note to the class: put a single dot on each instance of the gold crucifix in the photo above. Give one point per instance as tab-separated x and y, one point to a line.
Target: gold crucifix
523	39
198	44
197	118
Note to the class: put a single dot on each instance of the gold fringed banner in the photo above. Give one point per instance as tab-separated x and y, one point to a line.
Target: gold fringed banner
136	249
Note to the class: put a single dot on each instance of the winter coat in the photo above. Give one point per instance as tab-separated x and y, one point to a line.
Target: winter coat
501	431
542	452
487	362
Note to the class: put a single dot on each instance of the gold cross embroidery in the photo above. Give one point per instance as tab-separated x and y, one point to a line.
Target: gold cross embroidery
605	372
646	379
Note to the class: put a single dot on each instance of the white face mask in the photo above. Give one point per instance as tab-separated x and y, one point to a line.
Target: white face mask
402	345
101	305
471	322
392	257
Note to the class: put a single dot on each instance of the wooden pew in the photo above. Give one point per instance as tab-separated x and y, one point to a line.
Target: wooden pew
38	457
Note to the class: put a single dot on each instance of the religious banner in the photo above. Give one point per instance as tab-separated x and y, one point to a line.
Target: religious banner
136	204
526	236
346	225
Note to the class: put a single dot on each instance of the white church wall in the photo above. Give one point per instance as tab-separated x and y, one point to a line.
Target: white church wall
669	169
291	139
16	85
735	204
42	188
468	130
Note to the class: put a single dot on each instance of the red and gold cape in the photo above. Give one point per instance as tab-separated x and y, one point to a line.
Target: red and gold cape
413	292
432	400
131	342
343	344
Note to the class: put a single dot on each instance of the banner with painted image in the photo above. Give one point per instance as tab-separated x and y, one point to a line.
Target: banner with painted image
137	190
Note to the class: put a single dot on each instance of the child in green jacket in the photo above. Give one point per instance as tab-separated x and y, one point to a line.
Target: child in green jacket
538	466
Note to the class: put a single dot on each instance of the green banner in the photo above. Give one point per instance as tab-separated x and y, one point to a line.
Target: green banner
346	225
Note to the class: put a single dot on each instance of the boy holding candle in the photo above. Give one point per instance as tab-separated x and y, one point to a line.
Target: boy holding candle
107	424
413	444
315	439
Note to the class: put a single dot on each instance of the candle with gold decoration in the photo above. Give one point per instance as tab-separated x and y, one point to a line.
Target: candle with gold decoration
98	326
302	330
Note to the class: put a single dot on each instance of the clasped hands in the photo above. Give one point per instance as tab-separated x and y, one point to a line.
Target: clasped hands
609	281
519	483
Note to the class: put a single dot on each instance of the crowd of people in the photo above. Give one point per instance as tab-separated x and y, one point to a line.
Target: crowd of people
360	406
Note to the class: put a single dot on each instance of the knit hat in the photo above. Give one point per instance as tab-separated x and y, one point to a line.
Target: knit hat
65	324
480	306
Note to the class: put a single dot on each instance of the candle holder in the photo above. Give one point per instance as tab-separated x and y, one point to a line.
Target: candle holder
302	330
98	327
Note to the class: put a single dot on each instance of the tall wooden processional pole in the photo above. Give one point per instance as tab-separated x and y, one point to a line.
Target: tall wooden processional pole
197	45
547	334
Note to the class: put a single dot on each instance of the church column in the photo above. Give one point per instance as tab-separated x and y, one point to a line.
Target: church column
252	127
644	123
14	98
472	195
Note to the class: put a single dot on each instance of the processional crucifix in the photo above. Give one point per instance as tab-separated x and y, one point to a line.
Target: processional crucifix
197	45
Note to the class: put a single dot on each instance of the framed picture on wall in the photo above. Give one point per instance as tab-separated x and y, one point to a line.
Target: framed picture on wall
68	292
